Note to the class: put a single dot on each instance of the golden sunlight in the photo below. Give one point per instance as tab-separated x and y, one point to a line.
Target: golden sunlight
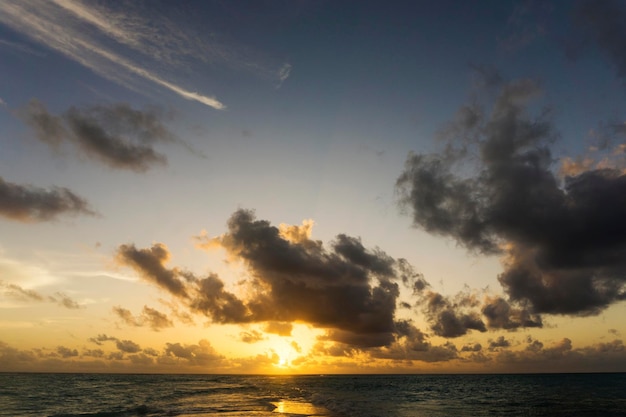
283	353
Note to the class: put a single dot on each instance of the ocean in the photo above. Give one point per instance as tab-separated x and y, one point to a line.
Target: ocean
111	395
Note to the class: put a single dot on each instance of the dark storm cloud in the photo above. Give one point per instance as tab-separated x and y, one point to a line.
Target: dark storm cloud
27	203
348	289
604	21
116	135
494	190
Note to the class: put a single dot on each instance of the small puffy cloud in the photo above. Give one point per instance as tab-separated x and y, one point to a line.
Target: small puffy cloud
124	346
64	300
98	340
150	317
27	203
116	356
16	292
500	342
127	346
451	316
94	353
252	336
126	316
202	354
116	135
67	352
141	359
476	347
155	319
151	352
502	315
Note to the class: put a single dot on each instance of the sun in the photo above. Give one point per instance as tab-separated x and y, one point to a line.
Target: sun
282	354
283	362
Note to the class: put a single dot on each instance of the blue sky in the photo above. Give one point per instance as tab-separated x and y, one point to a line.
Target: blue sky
136	135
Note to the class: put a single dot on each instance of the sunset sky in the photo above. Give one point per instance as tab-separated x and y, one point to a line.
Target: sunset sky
312	186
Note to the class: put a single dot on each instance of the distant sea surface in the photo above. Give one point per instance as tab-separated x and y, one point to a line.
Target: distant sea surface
71	395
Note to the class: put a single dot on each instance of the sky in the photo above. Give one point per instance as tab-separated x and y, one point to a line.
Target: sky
303	187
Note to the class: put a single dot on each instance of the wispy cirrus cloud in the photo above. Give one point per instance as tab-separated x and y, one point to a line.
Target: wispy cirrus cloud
84	35
132	42
20	47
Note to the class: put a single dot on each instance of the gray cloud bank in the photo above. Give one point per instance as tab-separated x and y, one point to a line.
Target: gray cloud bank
494	190
500	356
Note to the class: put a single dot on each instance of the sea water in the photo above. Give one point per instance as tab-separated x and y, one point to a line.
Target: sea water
97	395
